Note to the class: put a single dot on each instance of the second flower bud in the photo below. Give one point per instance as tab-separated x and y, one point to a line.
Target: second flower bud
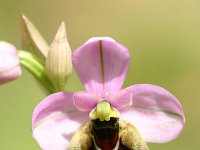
58	61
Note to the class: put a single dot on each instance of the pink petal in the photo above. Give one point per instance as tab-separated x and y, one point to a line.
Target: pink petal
101	64
120	99
9	63
86	101
55	120
155	112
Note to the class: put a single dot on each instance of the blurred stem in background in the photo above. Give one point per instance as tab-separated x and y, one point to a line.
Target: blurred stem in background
30	62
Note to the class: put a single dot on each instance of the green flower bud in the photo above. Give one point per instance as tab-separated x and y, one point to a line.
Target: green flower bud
58	62
32	41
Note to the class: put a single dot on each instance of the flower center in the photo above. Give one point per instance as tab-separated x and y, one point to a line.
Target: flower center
104	111
105	125
106	131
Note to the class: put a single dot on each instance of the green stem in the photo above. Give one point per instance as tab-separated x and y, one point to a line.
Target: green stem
30	62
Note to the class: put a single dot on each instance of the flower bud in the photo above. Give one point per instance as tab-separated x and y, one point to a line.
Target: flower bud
32	40
9	63
58	62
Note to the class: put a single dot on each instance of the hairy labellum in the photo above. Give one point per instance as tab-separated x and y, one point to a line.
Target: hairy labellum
107	135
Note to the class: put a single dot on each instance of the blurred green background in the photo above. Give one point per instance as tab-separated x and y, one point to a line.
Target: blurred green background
163	37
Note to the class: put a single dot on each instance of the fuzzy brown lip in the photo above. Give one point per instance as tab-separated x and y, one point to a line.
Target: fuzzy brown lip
106	133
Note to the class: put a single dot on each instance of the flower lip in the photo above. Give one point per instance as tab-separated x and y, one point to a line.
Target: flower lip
106	133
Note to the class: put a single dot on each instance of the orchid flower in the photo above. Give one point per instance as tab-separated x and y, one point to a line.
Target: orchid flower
141	112
9	62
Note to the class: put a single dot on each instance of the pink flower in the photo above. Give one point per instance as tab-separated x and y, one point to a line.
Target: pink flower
9	63
102	64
